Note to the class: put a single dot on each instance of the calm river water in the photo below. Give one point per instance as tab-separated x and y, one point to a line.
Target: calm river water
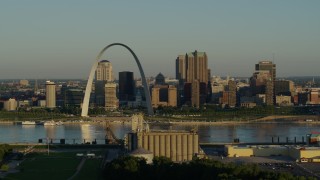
79	133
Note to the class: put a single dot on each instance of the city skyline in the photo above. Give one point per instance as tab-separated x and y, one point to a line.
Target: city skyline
52	40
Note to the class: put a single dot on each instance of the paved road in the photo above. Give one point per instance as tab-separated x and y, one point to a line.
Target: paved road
78	168
111	154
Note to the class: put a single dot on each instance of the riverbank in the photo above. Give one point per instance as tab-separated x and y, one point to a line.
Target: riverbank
269	119
310	119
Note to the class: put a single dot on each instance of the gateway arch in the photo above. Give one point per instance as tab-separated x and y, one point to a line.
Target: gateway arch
85	105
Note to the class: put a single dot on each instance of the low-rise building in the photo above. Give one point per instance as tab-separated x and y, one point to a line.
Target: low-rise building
10	105
283	101
301	154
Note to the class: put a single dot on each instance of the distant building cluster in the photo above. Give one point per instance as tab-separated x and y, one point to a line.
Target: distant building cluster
193	86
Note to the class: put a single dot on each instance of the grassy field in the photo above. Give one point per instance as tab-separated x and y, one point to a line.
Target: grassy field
42	166
90	170
59	165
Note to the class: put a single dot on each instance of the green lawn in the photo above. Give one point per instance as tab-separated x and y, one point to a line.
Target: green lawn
42	166
90	170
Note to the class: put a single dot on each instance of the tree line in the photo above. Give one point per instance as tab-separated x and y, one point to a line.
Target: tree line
134	168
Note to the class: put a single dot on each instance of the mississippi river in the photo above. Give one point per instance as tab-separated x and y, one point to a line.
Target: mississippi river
83	133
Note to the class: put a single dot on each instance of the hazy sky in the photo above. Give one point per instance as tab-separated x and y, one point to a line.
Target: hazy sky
60	39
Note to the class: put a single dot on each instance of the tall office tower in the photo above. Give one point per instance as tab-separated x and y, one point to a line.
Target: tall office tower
111	100
36	87
181	69
197	72
269	93
195	93
267	66
258	81
104	71
126	86
172	96
232	89
99	92
50	94
196	67
104	74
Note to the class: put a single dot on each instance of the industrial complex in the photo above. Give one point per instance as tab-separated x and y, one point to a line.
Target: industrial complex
176	145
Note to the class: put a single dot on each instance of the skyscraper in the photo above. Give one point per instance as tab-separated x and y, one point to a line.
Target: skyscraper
269	93
232	89
126	86
181	69
104	74
197	74
195	93
193	68
197	67
258	81
104	71
50	94
111	100
268	66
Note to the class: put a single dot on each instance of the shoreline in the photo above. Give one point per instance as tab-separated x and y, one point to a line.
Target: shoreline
314	119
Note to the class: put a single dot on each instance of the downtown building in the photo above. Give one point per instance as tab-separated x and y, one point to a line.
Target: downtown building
163	94
50	94
270	90
71	96
104	74
229	97
192	71
111	100
126	87
262	83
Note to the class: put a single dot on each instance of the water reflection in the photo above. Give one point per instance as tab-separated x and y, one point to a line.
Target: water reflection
80	133
86	132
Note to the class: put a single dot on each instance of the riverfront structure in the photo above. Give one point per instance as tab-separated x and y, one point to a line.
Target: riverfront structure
176	145
50	94
302	154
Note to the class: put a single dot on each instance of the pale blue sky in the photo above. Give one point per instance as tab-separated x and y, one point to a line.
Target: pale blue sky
60	39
